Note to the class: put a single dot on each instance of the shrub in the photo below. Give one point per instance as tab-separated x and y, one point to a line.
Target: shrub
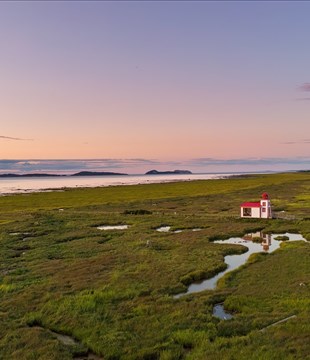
137	212
282	238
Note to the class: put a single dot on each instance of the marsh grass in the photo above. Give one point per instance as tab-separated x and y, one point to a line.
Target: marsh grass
112	290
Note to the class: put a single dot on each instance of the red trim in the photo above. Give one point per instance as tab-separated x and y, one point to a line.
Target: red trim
251	204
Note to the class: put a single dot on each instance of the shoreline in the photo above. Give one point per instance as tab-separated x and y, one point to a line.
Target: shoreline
113	181
24	185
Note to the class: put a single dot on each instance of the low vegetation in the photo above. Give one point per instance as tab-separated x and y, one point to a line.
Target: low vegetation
111	291
282	238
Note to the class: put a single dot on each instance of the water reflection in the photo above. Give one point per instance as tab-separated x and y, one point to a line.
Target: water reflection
254	243
113	227
163	229
219	312
260	237
25	184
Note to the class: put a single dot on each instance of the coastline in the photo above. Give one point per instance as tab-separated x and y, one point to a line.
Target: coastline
14	186
25	185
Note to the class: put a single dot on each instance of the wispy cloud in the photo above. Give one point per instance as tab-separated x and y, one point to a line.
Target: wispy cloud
304	141
69	166
302	160
139	166
304	87
14	138
303	99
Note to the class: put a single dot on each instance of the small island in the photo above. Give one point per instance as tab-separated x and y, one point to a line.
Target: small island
174	172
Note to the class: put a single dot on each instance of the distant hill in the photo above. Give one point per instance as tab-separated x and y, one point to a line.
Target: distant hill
96	173
178	172
10	175
81	173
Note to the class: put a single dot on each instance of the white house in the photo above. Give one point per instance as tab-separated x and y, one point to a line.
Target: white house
260	209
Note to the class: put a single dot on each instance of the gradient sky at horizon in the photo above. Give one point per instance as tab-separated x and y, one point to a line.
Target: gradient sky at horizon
170	81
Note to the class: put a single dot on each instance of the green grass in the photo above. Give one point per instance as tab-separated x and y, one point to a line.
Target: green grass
112	290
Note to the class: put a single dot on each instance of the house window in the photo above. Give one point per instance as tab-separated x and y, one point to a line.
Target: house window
247	212
264	203
263	209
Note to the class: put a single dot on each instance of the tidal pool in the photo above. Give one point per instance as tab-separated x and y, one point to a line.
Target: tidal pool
219	312
113	227
177	231
268	244
163	229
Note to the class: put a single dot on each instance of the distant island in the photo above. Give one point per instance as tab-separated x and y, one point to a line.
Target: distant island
96	173
81	173
178	172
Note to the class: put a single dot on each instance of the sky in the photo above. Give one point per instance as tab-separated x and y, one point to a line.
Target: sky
136	85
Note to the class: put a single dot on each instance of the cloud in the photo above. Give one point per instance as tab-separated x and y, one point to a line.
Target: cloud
304	87
140	166
69	166
27	163
303	99
14	138
304	141
302	160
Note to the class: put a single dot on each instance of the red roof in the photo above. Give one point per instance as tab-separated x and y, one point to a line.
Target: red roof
250	204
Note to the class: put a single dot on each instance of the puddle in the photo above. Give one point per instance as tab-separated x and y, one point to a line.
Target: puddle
65	339
268	244
70	341
168	228
163	229
113	227
219	312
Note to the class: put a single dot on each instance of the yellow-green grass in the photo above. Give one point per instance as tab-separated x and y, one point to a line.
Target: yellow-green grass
112	290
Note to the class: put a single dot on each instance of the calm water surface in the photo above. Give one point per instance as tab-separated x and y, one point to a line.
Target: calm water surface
219	312
22	185
269	244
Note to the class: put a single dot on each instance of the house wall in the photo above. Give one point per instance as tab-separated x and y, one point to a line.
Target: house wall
266	209
255	212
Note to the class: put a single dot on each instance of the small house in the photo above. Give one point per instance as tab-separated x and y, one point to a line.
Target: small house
259	209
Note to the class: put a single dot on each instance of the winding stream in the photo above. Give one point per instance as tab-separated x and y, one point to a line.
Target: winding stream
269	244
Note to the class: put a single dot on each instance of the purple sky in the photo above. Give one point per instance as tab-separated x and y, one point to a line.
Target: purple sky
193	84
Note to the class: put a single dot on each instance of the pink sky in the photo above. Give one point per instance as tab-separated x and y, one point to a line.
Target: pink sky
166	81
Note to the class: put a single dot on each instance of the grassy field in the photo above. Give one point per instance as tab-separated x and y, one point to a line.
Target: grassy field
112	290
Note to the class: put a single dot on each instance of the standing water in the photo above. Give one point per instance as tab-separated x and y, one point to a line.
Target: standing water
268	244
34	184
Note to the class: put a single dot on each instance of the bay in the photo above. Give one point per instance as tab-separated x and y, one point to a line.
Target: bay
25	184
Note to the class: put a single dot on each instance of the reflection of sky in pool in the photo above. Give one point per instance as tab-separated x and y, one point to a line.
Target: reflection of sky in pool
168	228
113	227
163	229
219	312
269	244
